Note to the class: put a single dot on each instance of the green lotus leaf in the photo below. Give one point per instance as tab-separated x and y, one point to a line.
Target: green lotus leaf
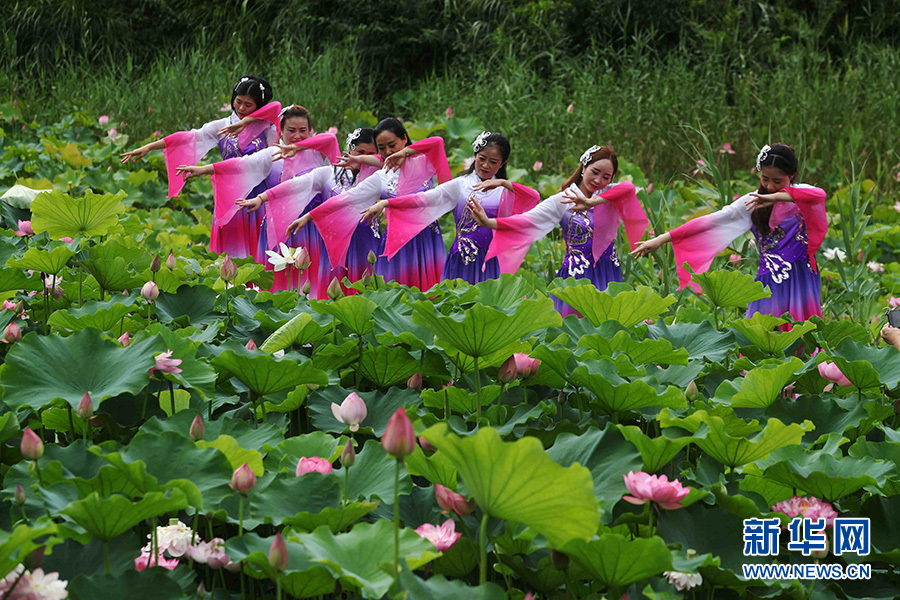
655	452
461	401
620	302
359	558
334	357
44	261
394	325
158	584
18	543
385	366
519	481
258	436
701	340
763	385
60	215
743	506
380	407
770	491
265	375
305	328
439	588
482	330
286	454
617	562
9	427
106	518
828	413
436	468
15	279
644	352
105	316
353	311
867	367
196	305
82	362
372	475
760	331
704	530
881	451
277	497
506	291
302	578
464	363
614	394
21	196
196	373
730	289
235	454
336	519
884	514
833	331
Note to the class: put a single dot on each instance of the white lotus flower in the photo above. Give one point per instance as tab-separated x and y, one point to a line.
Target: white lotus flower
835	253
683	581
280	261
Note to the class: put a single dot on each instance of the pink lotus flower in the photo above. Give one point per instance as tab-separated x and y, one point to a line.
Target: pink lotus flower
157	134
449	112
313	464
19	495
894	302
537	166
210	553
31	446
243	479
9	305
333	130
352	411
250	345
12	333
24	229
875	267
415	382
124	339
66	239
700	166
656	488
650	191
735	259
150	291
348	455
449	500
807	507
278	553
442	537
37	585
165	364
144	560
571	108
150	110
525	365
85	408
197	429
726	149
831	372
426	445
103	120
113	134
399	439
683	581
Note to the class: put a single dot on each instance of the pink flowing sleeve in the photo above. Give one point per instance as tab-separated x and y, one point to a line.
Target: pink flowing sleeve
187	148
420	168
520	200
268	116
408	215
337	217
235	178
515	234
287	200
810	200
622	206
321	150
698	241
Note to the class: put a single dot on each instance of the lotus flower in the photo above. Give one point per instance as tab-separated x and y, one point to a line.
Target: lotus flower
831	372
250	345
165	364
313	464
399	439
37	585
652	488
808	508
449	112
85	408
442	537
144	560
449	500
894	302
278	553
334	290
12	333
171	262
415	382
103	120
301	258
154	264
735	259
352	411
875	267
197	429
124	339
835	254
150	291
537	166
32	446
210	553
507	371
24	229
726	149
692	393
282	260
228	270
683	581
19	495
525	365
571	108
174	538
243	479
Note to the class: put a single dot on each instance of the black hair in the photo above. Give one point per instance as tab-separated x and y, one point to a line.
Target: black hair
394	126
601	153
295	110
498	140
256	87
345	176
366	136
783	158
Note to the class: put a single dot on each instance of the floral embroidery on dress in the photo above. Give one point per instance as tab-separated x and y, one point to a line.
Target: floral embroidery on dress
578	264
468	248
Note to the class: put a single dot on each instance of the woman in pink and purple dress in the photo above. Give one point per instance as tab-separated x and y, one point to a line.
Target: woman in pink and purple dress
408	168
789	223
238	231
485	181
589	208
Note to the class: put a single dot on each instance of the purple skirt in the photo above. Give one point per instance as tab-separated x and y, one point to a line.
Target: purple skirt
601	273
456	268
800	293
419	263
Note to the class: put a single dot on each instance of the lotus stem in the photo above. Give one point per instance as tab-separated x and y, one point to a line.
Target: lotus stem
240	514
172	397
71	426
477	394
80	282
397	519
482	549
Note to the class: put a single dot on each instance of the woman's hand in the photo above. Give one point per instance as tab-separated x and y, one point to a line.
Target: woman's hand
490	184
349	161
373	213
135	154
579	201
891	335
188	171
396	160
285	151
646	247
477	211
235	128
297	225
763	200
251	204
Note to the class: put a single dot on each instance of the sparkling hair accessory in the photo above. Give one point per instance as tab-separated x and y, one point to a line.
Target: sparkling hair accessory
763	155
240	81
586	157
352	137
291	107
481	141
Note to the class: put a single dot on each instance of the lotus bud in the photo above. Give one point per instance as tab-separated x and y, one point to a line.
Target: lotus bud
371	257
150	291
250	345
334	289
366	277
243	480
559	559
426	445
197	430
415	382
12	333
352	411
525	365
171	262
571	108
449	501
301	259
507	370
348	455
278	553
307	288
399	439
85	408
19	495
32	446
124	339
228	270
692	393
154	264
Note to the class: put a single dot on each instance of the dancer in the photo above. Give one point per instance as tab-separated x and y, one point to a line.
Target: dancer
298	196
590	234
789	223
248	129
485	181
237	232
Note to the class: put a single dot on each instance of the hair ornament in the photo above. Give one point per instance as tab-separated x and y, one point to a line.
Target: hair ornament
481	141
352	137
586	157
763	155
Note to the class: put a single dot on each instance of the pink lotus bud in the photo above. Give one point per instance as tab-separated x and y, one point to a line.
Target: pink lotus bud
250	345
449	112
197	429
415	382
12	333
366	277
861	255
371	257
831	372
32	446
171	262
85	408
426	445
307	287
243	480
157	134
228	270
313	464
537	166
352	411
278	553
103	120
650	188
25	229
154	264
571	108
525	365
735	259
507	370
333	130
449	500
692	393
150	110
334	290
301	259
19	495
399	439
113	133
124	339
348	455
150	291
